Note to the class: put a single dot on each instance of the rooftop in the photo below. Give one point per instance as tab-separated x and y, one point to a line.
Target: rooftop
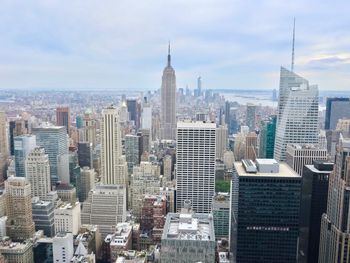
284	171
196	124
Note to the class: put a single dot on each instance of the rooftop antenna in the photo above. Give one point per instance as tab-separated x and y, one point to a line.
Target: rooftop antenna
292	66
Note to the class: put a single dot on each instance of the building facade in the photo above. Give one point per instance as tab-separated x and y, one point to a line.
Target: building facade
336	109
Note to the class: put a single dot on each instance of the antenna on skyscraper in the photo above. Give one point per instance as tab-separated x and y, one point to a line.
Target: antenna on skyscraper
169	54
292	66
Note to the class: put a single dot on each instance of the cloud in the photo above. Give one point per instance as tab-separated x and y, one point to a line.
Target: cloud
123	44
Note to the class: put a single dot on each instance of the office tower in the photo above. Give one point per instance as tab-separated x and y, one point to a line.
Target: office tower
228	159
267	215
298	155
88	132
105	207
3	220
3	146
85	154
251	117
297	118
251	146
313	205
20	225
195	164
62	247
134	110
63	168
68	218
199	86
86	182
145	140
267	137
14	252
146	116
221	215
335	232
79	121
63	117
23	145
132	151
343	125
54	140
336	109
67	193
113	165
168	100
145	179
43	216
178	240
16	128
221	141
37	167
167	167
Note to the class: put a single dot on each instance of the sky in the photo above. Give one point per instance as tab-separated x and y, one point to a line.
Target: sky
122	44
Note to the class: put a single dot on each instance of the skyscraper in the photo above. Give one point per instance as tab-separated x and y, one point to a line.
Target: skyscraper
113	165
16	128
267	219
335	230
85	154
195	164
37	172
267	137
19	225
251	117
134	109
23	145
3	146
63	117
88	132
132	151
336	108
297	119
168	100
221	141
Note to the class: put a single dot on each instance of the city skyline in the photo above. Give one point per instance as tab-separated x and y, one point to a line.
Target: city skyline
51	46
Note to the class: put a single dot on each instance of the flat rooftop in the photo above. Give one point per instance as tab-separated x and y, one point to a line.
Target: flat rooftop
284	171
196	125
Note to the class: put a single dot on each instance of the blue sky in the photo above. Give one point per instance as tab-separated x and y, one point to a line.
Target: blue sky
122	44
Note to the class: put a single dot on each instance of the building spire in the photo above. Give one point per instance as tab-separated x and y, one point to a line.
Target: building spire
169	57
292	65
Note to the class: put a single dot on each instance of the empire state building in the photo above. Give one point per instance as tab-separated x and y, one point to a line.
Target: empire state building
168	99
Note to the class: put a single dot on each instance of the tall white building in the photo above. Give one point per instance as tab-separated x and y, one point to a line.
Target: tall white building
37	169
195	164
105	207
297	119
68	218
62	246
221	141
113	164
146	121
168	100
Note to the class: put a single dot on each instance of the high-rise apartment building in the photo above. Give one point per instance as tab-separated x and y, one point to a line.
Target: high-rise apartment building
221	141
335	230
195	164
54	140
188	237
267	137
23	145
313	205
266	220
336	109
168	102
299	155
297	118
63	117
132	151
113	165
20	224
3	146
105	207
251	117
37	167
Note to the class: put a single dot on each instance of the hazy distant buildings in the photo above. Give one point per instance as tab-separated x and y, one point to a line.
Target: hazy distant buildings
297	119
3	146
37	166
267	219
20	225
195	164
336	109
63	117
54	140
168	100
113	165
335	232
251	117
